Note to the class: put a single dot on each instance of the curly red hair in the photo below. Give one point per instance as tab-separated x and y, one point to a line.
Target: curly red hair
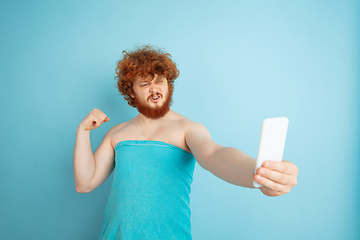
143	62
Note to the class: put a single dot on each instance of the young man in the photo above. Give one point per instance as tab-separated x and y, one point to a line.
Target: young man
155	156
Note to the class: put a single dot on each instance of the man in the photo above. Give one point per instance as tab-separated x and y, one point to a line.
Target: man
155	156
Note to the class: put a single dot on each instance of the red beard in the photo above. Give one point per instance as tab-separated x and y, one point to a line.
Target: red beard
156	112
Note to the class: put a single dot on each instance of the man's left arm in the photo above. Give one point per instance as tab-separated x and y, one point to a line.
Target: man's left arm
235	167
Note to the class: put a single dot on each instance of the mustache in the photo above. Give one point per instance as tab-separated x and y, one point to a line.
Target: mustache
155	113
154	95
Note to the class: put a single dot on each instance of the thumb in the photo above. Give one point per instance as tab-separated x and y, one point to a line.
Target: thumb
106	119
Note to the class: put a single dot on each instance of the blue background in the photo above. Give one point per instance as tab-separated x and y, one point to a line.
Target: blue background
239	62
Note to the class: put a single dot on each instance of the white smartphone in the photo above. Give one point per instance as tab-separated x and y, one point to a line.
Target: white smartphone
272	141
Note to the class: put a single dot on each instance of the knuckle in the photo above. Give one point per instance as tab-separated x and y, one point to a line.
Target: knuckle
275	187
258	178
262	181
266	164
294	183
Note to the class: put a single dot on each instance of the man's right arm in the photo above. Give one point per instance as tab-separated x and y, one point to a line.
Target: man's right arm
91	170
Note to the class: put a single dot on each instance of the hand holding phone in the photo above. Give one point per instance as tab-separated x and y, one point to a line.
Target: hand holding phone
272	141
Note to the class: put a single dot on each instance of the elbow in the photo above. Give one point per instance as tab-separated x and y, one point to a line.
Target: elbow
79	190
83	189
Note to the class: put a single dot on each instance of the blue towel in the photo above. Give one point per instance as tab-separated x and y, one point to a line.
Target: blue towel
150	195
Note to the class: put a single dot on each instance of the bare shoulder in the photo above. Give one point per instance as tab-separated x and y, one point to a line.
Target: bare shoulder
116	128
191	127
182	120
114	132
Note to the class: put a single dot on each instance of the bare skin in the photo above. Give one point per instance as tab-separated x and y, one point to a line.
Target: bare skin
229	164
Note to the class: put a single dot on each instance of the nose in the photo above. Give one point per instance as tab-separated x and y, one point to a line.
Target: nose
153	88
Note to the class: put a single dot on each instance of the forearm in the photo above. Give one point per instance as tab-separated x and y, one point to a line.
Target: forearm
232	165
84	164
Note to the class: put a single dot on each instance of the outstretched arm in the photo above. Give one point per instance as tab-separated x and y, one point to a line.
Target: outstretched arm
234	166
227	163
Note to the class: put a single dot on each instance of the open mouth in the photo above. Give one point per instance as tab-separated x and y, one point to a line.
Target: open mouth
155	98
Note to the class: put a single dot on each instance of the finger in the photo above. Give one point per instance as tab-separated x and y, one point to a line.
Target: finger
283	167
96	119
96	122
99	117
270	193
98	113
278	177
103	119
102	116
273	186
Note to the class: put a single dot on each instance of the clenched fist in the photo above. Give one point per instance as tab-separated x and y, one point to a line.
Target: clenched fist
95	118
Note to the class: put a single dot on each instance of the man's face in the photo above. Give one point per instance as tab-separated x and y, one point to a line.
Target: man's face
152	96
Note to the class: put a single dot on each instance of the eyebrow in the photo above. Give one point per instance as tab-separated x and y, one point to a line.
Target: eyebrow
147	80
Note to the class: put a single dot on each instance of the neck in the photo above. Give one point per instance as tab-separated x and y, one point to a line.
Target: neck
145	120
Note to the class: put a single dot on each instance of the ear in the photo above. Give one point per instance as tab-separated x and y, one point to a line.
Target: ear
132	96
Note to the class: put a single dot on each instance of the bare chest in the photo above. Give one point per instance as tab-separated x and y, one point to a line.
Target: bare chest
170	133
